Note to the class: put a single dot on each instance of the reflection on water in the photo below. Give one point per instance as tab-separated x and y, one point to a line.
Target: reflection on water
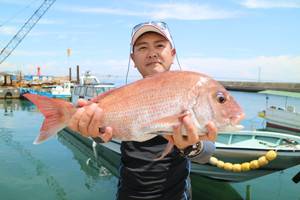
10	105
41	170
89	161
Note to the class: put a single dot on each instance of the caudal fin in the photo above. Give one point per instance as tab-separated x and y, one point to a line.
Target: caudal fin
57	113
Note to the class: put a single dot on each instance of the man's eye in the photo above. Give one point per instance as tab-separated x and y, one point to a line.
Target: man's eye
160	46
221	97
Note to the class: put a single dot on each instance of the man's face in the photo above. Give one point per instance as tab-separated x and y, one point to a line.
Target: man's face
152	53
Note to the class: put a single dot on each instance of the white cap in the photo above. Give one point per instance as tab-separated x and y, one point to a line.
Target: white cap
157	27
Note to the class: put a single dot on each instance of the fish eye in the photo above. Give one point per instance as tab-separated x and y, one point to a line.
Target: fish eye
221	97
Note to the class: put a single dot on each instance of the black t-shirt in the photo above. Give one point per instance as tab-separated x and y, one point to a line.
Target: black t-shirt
143	178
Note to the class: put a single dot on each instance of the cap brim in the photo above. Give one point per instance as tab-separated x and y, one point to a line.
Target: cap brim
144	29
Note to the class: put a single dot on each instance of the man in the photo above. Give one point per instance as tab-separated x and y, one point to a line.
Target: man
152	51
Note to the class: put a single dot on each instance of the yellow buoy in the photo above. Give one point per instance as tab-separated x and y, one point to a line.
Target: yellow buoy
220	164
237	168
228	166
271	155
254	164
245	166
213	160
262	161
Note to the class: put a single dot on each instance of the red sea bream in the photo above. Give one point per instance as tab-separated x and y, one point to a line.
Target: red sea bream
150	106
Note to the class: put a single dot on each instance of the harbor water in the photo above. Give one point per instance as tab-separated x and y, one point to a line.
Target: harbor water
63	169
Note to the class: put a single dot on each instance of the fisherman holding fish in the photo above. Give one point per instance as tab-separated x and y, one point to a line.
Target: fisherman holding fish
140	177
163	120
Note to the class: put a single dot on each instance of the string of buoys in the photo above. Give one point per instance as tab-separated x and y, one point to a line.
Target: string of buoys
246	166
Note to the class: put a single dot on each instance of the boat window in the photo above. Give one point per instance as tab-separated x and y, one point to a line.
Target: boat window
290	108
287	141
240	138
107	88
223	138
82	91
90	91
100	90
77	90
272	140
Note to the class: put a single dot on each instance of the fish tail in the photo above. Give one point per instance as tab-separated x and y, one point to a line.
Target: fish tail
57	114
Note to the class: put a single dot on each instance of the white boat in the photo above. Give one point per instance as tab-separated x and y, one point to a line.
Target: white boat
281	118
237	147
89	87
62	91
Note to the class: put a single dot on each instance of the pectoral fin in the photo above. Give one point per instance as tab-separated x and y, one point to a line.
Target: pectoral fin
163	125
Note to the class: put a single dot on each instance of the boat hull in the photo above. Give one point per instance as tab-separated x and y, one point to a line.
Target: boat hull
111	152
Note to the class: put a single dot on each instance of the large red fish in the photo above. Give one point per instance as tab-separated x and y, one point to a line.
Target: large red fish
153	105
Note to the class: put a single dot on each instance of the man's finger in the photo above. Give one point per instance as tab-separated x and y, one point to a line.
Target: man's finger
93	127
212	131
86	118
190	128
73	124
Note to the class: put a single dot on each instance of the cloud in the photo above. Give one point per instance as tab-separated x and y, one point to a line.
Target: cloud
269	68
190	12
36	53
100	10
8	30
271	4
180	11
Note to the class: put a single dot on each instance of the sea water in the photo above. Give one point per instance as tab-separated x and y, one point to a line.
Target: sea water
60	169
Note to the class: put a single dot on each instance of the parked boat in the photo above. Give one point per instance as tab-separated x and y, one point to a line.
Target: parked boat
237	147
281	118
53	91
61	91
89	87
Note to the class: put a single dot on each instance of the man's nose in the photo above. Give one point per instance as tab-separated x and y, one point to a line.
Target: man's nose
152	54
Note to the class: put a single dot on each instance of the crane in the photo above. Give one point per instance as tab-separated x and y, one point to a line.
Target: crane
25	29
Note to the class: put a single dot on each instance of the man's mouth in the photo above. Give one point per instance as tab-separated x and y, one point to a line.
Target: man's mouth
152	63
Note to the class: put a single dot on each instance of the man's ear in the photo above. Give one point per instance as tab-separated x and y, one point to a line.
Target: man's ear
132	58
173	52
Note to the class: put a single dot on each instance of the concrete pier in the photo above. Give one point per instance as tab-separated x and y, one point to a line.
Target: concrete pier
9	92
259	86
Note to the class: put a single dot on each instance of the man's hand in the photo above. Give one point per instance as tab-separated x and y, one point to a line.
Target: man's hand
87	120
192	137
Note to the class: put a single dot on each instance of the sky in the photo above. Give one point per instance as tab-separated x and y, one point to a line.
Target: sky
233	40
